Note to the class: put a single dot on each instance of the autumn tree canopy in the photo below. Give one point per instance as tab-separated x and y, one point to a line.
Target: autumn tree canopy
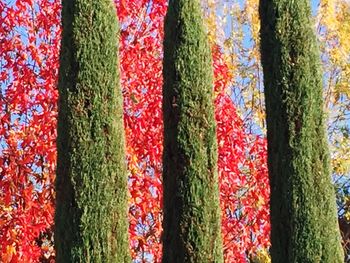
30	35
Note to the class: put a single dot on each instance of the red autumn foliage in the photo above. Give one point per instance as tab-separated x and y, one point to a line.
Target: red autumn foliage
29	37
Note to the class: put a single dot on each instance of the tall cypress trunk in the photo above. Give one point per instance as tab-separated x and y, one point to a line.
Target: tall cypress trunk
192	225
91	186
303	209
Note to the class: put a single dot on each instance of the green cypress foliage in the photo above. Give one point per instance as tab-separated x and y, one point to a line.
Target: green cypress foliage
91	186
192	222
303	209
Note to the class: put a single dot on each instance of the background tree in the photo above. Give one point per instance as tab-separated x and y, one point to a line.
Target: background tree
191	222
30	40
30	37
91	184
303	212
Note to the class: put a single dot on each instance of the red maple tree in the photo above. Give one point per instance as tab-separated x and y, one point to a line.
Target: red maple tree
30	39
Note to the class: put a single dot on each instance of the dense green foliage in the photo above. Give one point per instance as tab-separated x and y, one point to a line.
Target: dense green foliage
191	198
303	210
91	185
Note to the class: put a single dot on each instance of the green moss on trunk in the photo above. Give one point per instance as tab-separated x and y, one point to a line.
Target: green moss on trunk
192	229
303	208
91	186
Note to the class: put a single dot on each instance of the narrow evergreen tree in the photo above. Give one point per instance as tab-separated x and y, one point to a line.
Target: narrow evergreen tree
91	186
192	222
303	209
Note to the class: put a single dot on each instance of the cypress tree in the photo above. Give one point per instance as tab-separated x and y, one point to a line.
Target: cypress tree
91	186
303	209
192	225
